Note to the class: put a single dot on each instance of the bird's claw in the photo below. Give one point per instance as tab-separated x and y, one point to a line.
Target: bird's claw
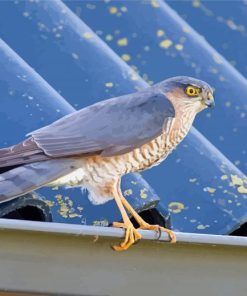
132	236
159	229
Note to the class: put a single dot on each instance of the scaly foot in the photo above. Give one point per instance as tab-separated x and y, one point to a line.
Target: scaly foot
159	229
131	236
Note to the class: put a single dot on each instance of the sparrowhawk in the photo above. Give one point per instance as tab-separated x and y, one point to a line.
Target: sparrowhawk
95	146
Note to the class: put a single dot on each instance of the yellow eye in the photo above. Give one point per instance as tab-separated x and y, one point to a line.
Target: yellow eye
192	91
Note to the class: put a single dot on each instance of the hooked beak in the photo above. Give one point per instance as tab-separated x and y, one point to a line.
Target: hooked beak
209	101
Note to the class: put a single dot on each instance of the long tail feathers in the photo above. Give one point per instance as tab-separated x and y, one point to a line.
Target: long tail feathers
24	152
29	177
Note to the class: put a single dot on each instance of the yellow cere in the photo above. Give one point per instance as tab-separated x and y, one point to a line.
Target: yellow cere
122	42
113	10
125	57
160	33
143	193
109	84
176	207
128	192
166	43
87	35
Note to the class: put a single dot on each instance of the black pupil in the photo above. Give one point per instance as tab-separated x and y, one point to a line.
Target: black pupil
191	91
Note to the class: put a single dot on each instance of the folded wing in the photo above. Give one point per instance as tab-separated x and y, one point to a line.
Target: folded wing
109	127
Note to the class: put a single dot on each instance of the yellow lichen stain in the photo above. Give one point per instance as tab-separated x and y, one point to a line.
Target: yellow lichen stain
128	192
186	29
230	23
160	33
73	215
236	181
87	35
179	47
124	9
211	190
217	58
143	193
201	226
222	78
108	37
224	177
192	180
166	43
109	84
126	57
58	196
122	42
66	210
155	3
196	3
113	9
133	75
175	207
101	222
240	183
242	189
50	203
134	182
54	188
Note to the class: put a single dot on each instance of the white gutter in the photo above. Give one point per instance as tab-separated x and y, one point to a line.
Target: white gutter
83	230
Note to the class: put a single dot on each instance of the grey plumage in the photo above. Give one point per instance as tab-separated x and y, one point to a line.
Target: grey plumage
26	178
108	128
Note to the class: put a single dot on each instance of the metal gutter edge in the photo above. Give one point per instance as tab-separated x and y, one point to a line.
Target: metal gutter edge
83	230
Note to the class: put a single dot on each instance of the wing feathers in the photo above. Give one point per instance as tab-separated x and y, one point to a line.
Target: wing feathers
106	127
24	152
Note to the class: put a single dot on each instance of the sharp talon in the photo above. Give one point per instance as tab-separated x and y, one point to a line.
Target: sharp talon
160	232
159	229
132	236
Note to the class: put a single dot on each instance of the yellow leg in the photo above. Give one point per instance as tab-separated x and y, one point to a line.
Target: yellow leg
131	234
145	225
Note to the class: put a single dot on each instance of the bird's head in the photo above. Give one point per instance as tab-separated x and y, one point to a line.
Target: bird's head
188	91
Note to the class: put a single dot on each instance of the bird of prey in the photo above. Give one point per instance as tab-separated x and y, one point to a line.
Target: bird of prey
95	146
